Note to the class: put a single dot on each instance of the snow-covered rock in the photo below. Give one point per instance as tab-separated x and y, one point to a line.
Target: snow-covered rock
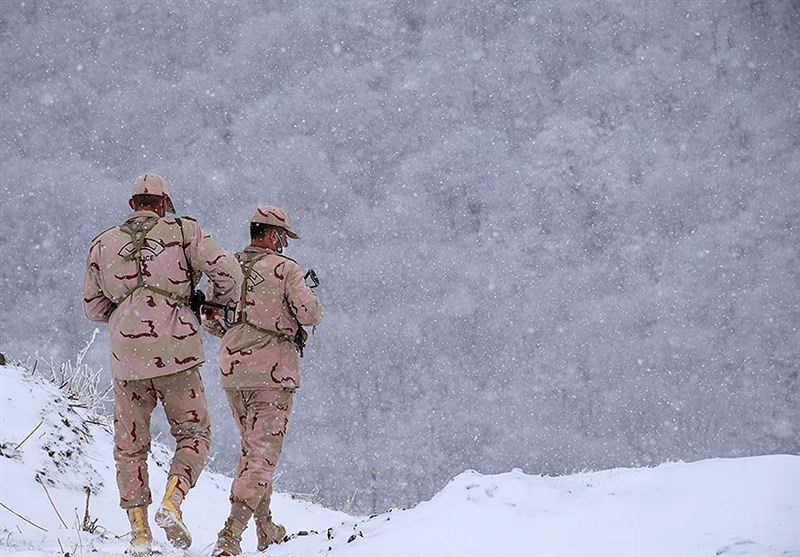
720	507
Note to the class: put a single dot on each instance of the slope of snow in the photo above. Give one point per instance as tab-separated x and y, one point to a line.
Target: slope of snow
720	507
72	449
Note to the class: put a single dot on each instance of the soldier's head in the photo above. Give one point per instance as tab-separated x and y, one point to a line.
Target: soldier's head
151	193
270	228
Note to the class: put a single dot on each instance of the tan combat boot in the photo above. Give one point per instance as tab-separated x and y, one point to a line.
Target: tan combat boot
169	516
229	539
141	538
268	532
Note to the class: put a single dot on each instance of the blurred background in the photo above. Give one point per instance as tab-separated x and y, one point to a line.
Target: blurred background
552	236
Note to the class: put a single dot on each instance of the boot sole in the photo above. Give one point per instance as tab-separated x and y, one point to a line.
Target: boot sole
175	530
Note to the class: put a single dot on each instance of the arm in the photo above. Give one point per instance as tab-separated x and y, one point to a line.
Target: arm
222	270
212	320
95	303
304	304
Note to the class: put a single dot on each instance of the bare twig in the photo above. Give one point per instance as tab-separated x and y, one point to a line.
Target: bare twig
86	512
29	521
29	435
89	525
80	384
311	496
78	532
58	514
350	502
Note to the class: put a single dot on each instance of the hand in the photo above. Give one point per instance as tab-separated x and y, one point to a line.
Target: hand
210	313
215	328
211	321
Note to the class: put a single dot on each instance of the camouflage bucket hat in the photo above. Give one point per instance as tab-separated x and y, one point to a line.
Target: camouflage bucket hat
274	216
153	184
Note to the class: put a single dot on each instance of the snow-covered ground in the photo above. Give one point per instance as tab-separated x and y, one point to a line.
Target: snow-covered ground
51	450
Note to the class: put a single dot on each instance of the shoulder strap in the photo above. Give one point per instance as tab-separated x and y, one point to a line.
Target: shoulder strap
189	268
247	268
137	236
285	257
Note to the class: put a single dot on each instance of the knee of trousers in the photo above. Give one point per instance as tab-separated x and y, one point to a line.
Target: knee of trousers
198	446
200	431
135	452
258	467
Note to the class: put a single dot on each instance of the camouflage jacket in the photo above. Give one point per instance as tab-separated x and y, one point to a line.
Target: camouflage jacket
258	352
152	331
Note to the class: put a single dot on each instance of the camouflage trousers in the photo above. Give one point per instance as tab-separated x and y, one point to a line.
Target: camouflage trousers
184	401
262	417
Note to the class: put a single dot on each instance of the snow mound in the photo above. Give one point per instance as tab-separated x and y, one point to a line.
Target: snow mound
720	507
53	452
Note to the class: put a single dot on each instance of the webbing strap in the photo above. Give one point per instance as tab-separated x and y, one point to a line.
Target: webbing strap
138	237
183	300
279	336
247	269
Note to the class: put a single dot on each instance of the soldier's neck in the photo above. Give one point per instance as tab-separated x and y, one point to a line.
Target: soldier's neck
262	245
144	213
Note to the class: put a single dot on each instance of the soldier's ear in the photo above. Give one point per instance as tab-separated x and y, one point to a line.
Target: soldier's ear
130	203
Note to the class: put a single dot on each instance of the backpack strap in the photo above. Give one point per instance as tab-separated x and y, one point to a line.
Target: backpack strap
247	268
138	236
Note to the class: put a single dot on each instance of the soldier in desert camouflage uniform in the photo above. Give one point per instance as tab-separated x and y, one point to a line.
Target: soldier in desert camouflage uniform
137	280
259	361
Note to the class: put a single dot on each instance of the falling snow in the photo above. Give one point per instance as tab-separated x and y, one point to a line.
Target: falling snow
552	236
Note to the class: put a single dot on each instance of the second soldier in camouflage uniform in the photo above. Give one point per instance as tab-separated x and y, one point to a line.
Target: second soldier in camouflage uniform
137	280
259	361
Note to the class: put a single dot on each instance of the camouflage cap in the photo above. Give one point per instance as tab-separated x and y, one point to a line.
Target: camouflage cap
152	184
274	216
